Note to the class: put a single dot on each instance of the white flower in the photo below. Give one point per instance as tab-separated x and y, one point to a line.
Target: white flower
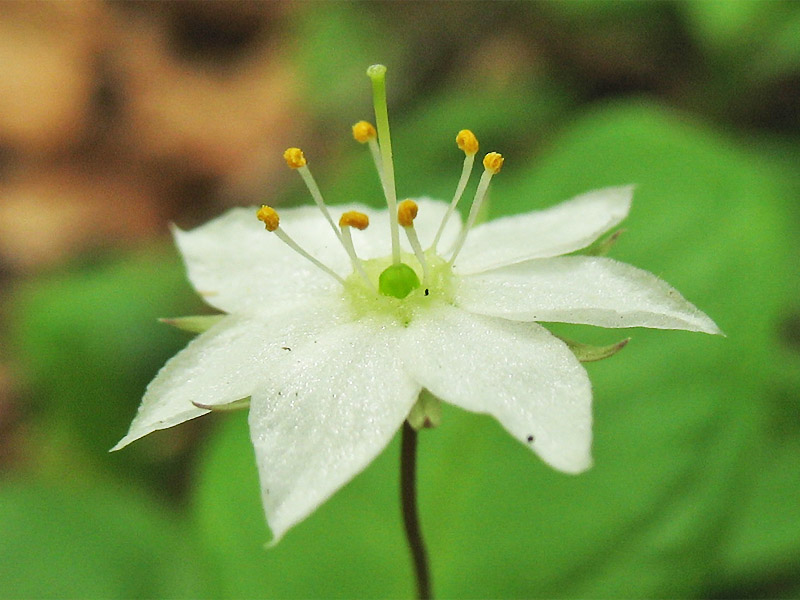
333	366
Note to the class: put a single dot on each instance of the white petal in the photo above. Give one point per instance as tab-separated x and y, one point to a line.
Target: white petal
558	230
333	407
225	364
579	289
238	266
517	372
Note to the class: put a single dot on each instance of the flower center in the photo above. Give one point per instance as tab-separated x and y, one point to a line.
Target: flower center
381	282
399	290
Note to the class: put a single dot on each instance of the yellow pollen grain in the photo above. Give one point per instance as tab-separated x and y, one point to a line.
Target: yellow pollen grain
268	216
363	131
493	162
353	218
467	141
294	158
406	213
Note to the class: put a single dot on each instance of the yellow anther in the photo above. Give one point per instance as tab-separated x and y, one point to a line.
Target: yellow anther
363	131
467	141
353	218
269	217
294	158
406	213
493	162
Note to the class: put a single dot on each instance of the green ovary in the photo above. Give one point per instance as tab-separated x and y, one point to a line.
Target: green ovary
398	281
397	289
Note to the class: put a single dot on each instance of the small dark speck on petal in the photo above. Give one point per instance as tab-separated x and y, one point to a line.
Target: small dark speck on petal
530	438
427	291
286	348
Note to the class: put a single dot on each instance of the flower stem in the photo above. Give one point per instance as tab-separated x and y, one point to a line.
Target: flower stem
408	501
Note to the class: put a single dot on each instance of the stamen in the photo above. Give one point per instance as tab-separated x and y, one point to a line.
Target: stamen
269	216
296	160
406	213
467	142
492	163
365	133
360	221
353	218
377	73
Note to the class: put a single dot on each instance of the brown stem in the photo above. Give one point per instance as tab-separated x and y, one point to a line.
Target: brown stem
408	501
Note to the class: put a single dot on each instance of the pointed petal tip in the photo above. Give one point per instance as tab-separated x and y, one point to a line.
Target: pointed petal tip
712	328
571	466
705	324
122	443
174	229
272	543
578	470
279	530
625	192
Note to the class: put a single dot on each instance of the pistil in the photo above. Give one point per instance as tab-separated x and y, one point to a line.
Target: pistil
377	73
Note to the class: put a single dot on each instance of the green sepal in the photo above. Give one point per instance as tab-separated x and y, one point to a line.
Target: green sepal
426	412
589	353
604	246
229	407
194	324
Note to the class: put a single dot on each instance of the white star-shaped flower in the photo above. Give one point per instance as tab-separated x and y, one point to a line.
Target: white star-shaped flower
334	356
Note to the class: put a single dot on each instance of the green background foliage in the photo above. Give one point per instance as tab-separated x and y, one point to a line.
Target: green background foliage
697	439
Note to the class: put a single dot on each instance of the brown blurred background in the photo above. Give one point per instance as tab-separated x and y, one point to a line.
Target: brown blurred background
116	117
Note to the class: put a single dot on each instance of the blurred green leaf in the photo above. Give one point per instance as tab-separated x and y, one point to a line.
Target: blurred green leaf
758	39
723	26
89	340
765	536
60	542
